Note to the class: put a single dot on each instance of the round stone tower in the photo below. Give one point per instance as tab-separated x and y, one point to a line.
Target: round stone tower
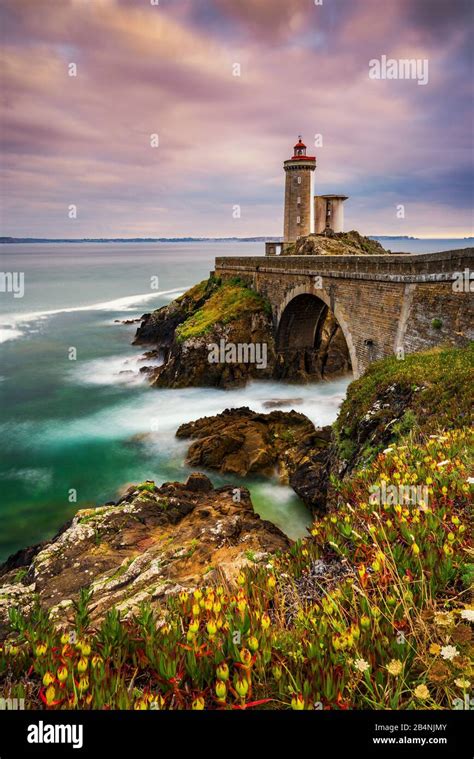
299	205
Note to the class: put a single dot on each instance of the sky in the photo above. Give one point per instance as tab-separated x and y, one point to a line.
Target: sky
181	114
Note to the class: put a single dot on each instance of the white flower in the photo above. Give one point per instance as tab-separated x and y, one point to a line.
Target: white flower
361	665
470	480
468	614
388	450
449	652
461	682
443	463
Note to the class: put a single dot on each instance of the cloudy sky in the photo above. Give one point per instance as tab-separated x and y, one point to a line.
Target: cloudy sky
169	70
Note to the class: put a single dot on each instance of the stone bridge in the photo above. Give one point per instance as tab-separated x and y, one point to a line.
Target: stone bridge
384	304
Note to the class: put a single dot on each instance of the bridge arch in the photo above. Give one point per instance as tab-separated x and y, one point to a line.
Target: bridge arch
299	316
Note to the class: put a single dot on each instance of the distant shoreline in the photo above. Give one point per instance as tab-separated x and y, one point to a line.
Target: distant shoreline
19	240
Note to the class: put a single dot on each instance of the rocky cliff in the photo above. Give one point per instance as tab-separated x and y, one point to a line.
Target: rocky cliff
222	335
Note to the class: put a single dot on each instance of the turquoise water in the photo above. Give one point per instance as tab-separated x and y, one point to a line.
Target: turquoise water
93	424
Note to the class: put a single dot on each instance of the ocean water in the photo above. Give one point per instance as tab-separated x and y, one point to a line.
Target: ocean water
92	424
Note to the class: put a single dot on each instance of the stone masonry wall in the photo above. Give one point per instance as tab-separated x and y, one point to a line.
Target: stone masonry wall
293	209
380	304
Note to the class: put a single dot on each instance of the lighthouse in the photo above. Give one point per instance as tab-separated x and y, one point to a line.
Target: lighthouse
299	204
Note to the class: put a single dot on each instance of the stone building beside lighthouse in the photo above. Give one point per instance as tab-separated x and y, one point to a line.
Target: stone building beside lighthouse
304	212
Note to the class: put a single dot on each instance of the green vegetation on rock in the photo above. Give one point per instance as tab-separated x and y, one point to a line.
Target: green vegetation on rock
424	393
228	302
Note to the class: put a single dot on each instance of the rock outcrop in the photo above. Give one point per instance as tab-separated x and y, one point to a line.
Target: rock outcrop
336	244
154	542
241	442
222	335
187	331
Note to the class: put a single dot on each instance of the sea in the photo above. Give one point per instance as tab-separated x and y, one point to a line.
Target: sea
78	420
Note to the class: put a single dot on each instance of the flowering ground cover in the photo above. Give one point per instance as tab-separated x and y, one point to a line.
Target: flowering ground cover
386	625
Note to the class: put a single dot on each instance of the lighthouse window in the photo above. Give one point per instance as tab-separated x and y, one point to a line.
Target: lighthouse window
299	180
298	201
298	220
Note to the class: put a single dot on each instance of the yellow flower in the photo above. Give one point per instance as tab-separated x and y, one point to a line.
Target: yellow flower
443	618
265	621
83	683
41	649
221	690
85	648
277	673
242	687
211	628
395	667
48	678
50	694
461	682
297	703
421	692
82	664
271	582
415	549
62	673
194	626
435	649
252	643
222	671
198	704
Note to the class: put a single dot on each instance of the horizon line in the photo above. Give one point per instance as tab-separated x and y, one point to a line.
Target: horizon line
5	239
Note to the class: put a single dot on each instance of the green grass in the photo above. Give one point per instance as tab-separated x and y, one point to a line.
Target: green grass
229	301
437	389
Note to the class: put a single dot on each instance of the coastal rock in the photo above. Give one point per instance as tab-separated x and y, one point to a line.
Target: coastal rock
221	317
153	542
336	244
210	314
241	442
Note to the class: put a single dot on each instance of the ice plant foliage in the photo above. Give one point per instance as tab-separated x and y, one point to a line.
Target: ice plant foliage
393	632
